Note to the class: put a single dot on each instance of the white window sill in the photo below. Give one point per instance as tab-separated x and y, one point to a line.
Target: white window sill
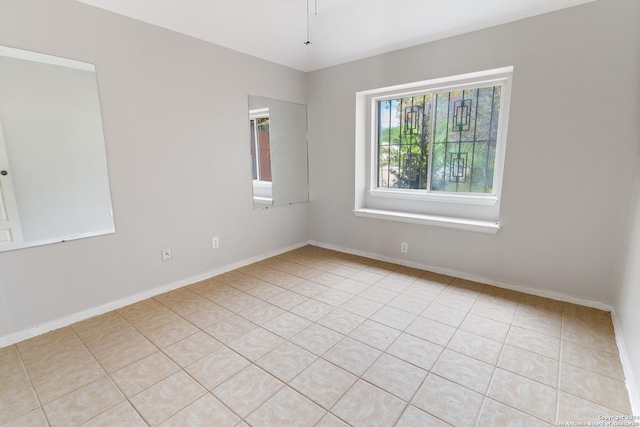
488	227
467	198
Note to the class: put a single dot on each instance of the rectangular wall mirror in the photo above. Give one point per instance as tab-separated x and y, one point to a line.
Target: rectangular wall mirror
54	185
278	142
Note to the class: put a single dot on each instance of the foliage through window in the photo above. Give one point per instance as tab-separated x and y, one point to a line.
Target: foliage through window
439	140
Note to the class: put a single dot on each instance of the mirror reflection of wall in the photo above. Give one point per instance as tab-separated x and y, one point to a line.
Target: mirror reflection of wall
278	139
55	185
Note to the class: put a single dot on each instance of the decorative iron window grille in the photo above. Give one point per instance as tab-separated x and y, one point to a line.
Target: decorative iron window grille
439	140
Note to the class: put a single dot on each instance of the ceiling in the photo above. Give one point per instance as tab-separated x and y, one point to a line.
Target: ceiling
340	30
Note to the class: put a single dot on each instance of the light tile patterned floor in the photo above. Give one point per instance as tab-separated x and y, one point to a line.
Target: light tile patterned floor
320	338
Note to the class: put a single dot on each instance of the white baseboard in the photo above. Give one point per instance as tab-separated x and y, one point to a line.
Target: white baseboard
462	275
632	387
70	319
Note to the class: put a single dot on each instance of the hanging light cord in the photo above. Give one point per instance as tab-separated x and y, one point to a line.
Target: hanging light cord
315	13
308	42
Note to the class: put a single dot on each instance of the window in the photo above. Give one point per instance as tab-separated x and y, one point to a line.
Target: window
261	156
260	144
433	152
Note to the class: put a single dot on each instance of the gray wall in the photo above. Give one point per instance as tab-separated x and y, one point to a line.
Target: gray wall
175	119
570	157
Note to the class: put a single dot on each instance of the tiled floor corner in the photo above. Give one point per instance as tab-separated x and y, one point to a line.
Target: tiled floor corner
315	337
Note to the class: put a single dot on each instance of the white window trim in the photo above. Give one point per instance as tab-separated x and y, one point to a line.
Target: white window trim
481	211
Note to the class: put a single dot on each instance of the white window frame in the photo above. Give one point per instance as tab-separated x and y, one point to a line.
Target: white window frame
467	211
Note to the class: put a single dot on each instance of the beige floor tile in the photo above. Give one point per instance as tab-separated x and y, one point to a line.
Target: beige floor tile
317	339
261	312
286	408
279	278
327	279
455	300
395	283
597	388
265	290
239	302
154	319
464	370
230	329
466	287
33	418
43	360
352	286
395	376
286	361
287	325
530	365
341	330
375	334
83	404
352	355
16	400
167	397
334	297
105	331
424	289
500	313
312	309
122	415
598	361
208	316
144	373
216	367
534	341
183	301
519	393
247	390
342	321
498	414
394	317
113	358
361	306
330	420
192	348
67	379
170	333
541	321
310	289
206	411
430	330
378	294
136	312
444	314
367	405
409	303
448	401
367	277
415	350
287	299
256	343
578	410
485	327
414	417
323	382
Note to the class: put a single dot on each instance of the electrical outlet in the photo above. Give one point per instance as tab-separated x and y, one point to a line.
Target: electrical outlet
404	247
166	254
215	242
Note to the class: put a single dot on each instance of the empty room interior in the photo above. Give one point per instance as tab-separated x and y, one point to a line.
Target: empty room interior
319	213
